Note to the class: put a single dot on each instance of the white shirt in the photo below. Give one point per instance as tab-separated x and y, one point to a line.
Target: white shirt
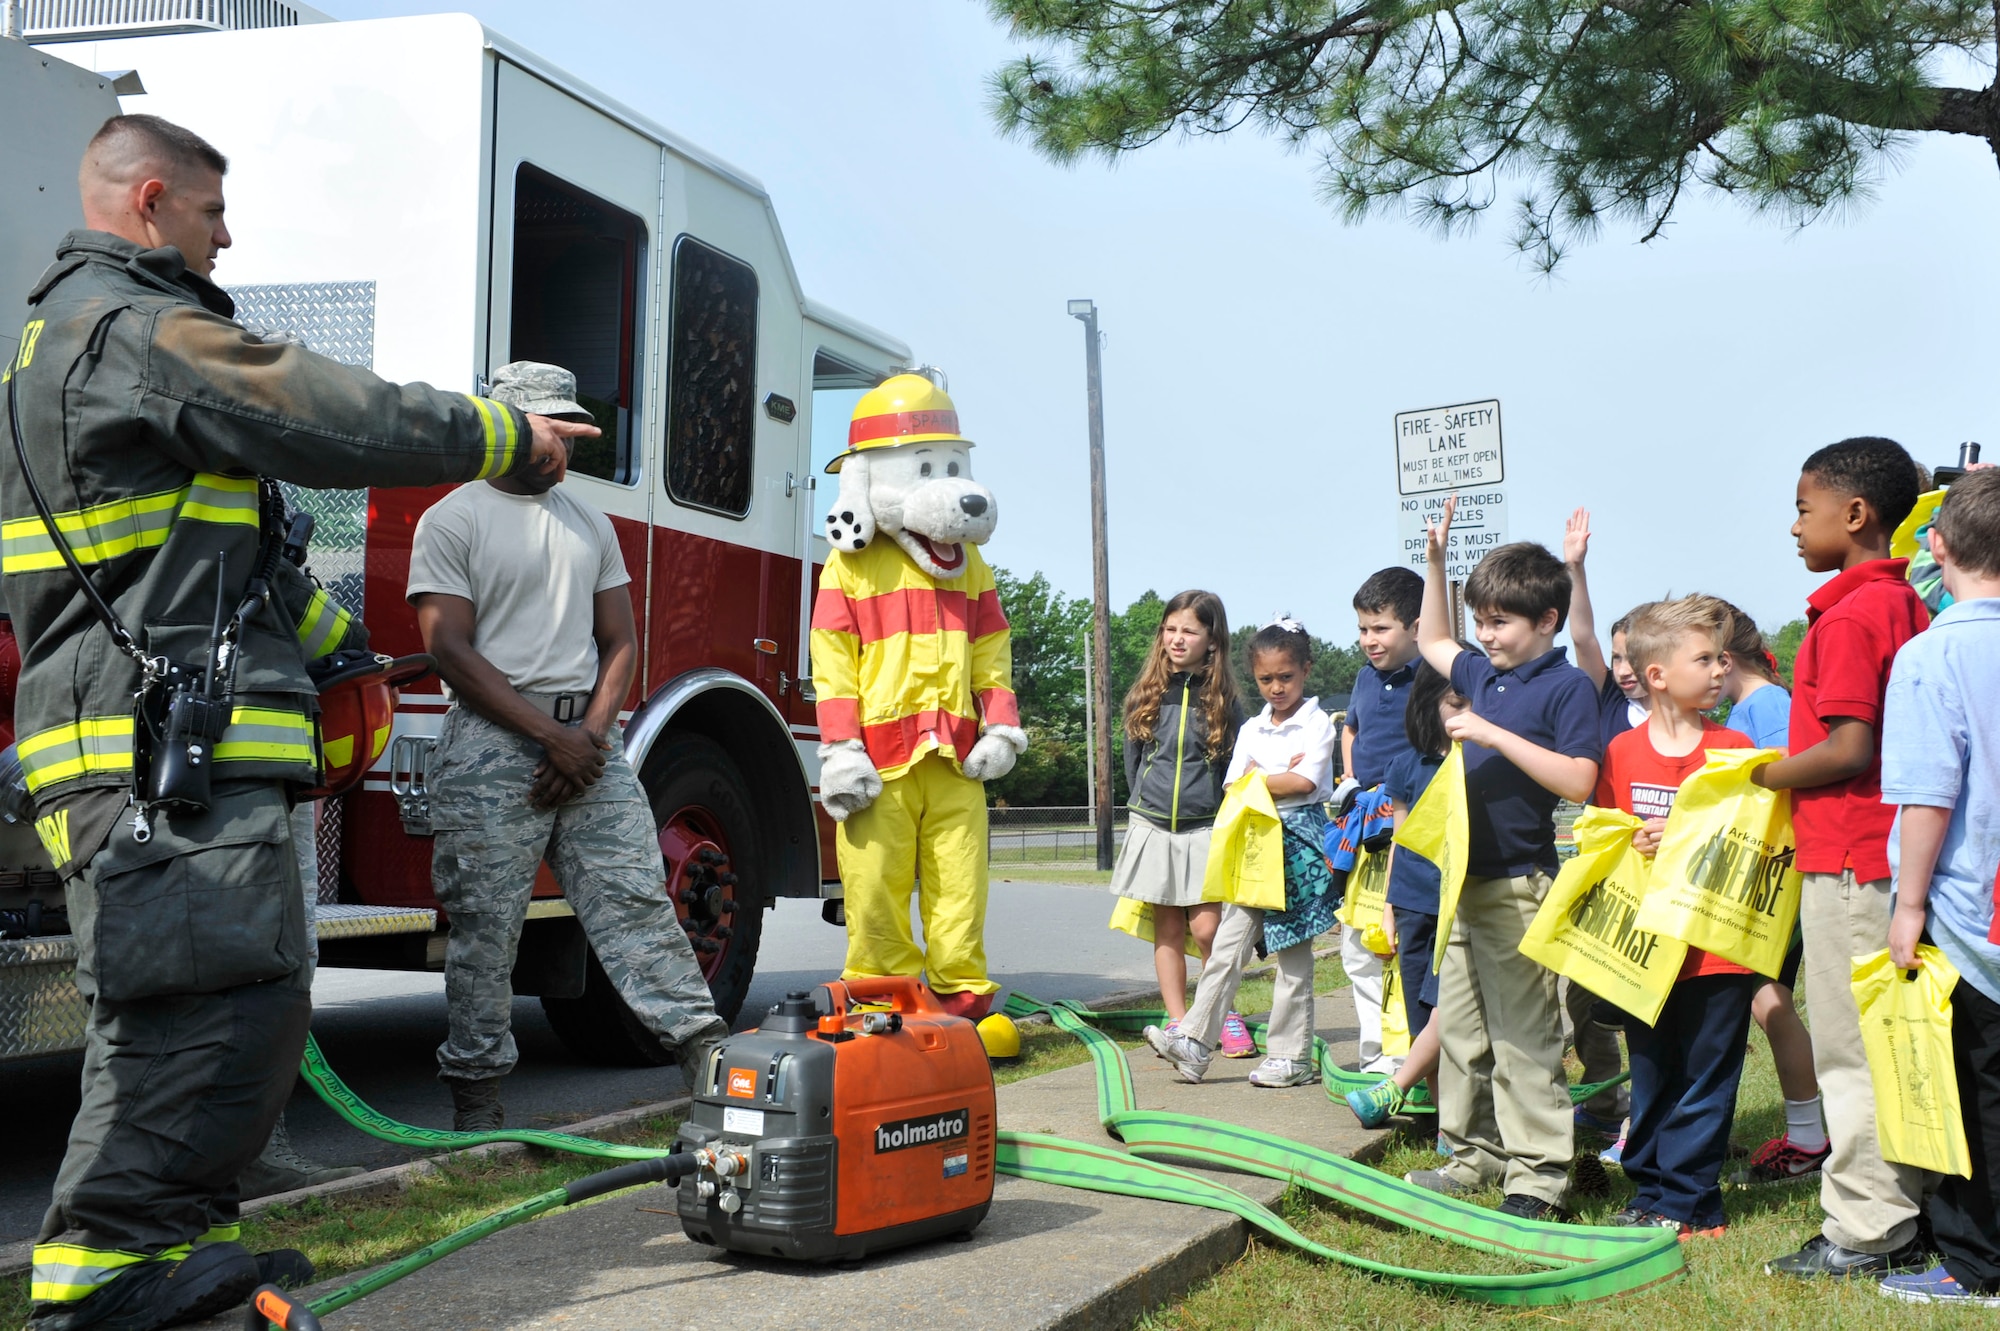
1308	735
532	566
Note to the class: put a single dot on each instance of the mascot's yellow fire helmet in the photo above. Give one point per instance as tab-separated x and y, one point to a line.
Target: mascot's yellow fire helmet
905	409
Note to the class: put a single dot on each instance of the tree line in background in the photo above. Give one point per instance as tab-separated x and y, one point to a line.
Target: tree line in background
1050	631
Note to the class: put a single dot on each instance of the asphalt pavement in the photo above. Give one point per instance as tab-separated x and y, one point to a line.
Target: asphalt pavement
380	1031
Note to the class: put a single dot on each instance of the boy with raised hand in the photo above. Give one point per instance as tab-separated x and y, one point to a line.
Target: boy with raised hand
1687	1062
1385	612
1851	497
1622	701
1941	765
1530	740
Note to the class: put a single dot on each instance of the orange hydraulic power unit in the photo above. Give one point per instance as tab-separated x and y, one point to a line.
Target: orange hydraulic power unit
859	1117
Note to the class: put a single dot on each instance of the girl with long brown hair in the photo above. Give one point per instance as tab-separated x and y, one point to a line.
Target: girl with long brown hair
1181	718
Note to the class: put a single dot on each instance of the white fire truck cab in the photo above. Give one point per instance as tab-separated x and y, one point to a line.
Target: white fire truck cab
425	198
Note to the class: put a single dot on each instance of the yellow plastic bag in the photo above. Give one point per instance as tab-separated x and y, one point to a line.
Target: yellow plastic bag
1906	1032
1246	850
1395	1021
1440	830
1588	927
1903	542
1723	880
1367	891
1136	919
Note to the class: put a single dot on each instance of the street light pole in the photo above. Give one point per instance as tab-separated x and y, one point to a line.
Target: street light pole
1100	578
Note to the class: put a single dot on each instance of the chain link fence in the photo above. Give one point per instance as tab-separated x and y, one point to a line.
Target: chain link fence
1057	836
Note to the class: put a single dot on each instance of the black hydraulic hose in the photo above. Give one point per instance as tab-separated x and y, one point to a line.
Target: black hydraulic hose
668	1169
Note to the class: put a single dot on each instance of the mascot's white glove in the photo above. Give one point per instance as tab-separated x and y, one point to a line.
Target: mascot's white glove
993	756
848	781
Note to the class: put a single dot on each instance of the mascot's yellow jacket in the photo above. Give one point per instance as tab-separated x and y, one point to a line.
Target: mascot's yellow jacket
907	663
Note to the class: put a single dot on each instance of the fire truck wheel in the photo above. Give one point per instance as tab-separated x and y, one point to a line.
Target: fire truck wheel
708	844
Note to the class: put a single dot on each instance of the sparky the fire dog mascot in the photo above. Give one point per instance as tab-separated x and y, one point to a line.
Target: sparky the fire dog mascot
914	672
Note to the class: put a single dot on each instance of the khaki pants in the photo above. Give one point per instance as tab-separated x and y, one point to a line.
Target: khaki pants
1503	1097
1870	1204
1291	1027
1364	972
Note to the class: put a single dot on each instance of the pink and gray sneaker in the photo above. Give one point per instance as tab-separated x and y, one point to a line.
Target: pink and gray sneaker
1236	1041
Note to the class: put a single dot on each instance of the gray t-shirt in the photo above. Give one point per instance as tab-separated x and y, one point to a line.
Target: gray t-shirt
530	565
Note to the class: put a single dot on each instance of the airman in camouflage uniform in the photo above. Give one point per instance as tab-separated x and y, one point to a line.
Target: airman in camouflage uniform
540	651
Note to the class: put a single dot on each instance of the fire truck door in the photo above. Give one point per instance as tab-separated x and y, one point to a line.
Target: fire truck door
570	280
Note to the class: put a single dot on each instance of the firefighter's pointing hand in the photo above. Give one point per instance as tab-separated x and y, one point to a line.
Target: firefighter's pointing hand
549	444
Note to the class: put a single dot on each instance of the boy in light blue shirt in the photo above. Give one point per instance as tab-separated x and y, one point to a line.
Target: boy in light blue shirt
1941	766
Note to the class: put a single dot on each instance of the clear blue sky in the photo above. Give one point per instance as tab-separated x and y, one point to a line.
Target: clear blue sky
1258	348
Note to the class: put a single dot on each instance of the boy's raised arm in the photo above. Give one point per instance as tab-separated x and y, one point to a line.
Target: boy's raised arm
1582	621
1434	638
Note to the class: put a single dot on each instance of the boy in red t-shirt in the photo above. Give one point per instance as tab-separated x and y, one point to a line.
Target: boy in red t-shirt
1685	1065
1851	497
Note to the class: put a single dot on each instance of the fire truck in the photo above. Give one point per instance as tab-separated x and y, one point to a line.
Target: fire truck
424	197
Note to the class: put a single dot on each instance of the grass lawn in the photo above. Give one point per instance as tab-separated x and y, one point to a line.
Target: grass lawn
1273	1287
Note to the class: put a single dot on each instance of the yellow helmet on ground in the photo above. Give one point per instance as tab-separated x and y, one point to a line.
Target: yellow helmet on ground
905	409
1000	1035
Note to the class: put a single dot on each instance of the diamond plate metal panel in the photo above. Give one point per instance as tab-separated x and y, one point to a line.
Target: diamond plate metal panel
336	319
40	1010
369	921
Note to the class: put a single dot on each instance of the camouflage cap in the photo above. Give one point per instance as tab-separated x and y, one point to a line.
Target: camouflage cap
544	390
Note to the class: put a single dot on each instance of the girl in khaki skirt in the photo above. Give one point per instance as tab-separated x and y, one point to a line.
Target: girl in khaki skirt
1181	719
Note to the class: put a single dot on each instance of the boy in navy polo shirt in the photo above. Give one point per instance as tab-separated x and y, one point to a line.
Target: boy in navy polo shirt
1530	740
1385	612
1851	498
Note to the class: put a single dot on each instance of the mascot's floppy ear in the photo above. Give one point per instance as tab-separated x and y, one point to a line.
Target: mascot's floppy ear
851	523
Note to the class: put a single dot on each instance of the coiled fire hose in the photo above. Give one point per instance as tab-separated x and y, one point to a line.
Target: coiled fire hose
1584	1263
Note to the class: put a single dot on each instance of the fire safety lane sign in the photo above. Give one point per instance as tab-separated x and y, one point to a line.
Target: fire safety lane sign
1442	451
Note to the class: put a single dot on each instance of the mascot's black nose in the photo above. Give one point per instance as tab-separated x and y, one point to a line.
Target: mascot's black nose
973	504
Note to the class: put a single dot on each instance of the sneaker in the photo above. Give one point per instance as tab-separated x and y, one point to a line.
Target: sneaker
1823	1257
1236	1041
1935	1286
1614	1154
1693	1231
1282	1072
1629	1216
1188	1055
1523	1207
1594	1123
1778	1161
1436	1180
1373	1104
1171	1028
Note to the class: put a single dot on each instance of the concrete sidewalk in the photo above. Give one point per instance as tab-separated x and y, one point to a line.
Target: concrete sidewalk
1046	1257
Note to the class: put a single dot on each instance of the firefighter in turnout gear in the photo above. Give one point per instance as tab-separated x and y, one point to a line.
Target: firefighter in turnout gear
149	422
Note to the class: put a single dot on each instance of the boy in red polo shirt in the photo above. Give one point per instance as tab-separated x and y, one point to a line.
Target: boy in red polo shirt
1851	497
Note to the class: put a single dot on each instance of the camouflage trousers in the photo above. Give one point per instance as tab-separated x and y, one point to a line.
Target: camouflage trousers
603	849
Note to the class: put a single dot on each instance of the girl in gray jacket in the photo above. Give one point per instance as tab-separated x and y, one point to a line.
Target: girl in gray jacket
1181	719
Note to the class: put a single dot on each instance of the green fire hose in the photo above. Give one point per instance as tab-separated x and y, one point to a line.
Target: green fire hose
1585	1263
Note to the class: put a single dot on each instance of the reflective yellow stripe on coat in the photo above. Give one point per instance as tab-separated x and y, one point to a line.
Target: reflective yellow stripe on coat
121	526
323	626
104	744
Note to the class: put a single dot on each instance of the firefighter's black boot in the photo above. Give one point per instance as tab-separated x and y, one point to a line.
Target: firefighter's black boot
214	1278
475	1105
